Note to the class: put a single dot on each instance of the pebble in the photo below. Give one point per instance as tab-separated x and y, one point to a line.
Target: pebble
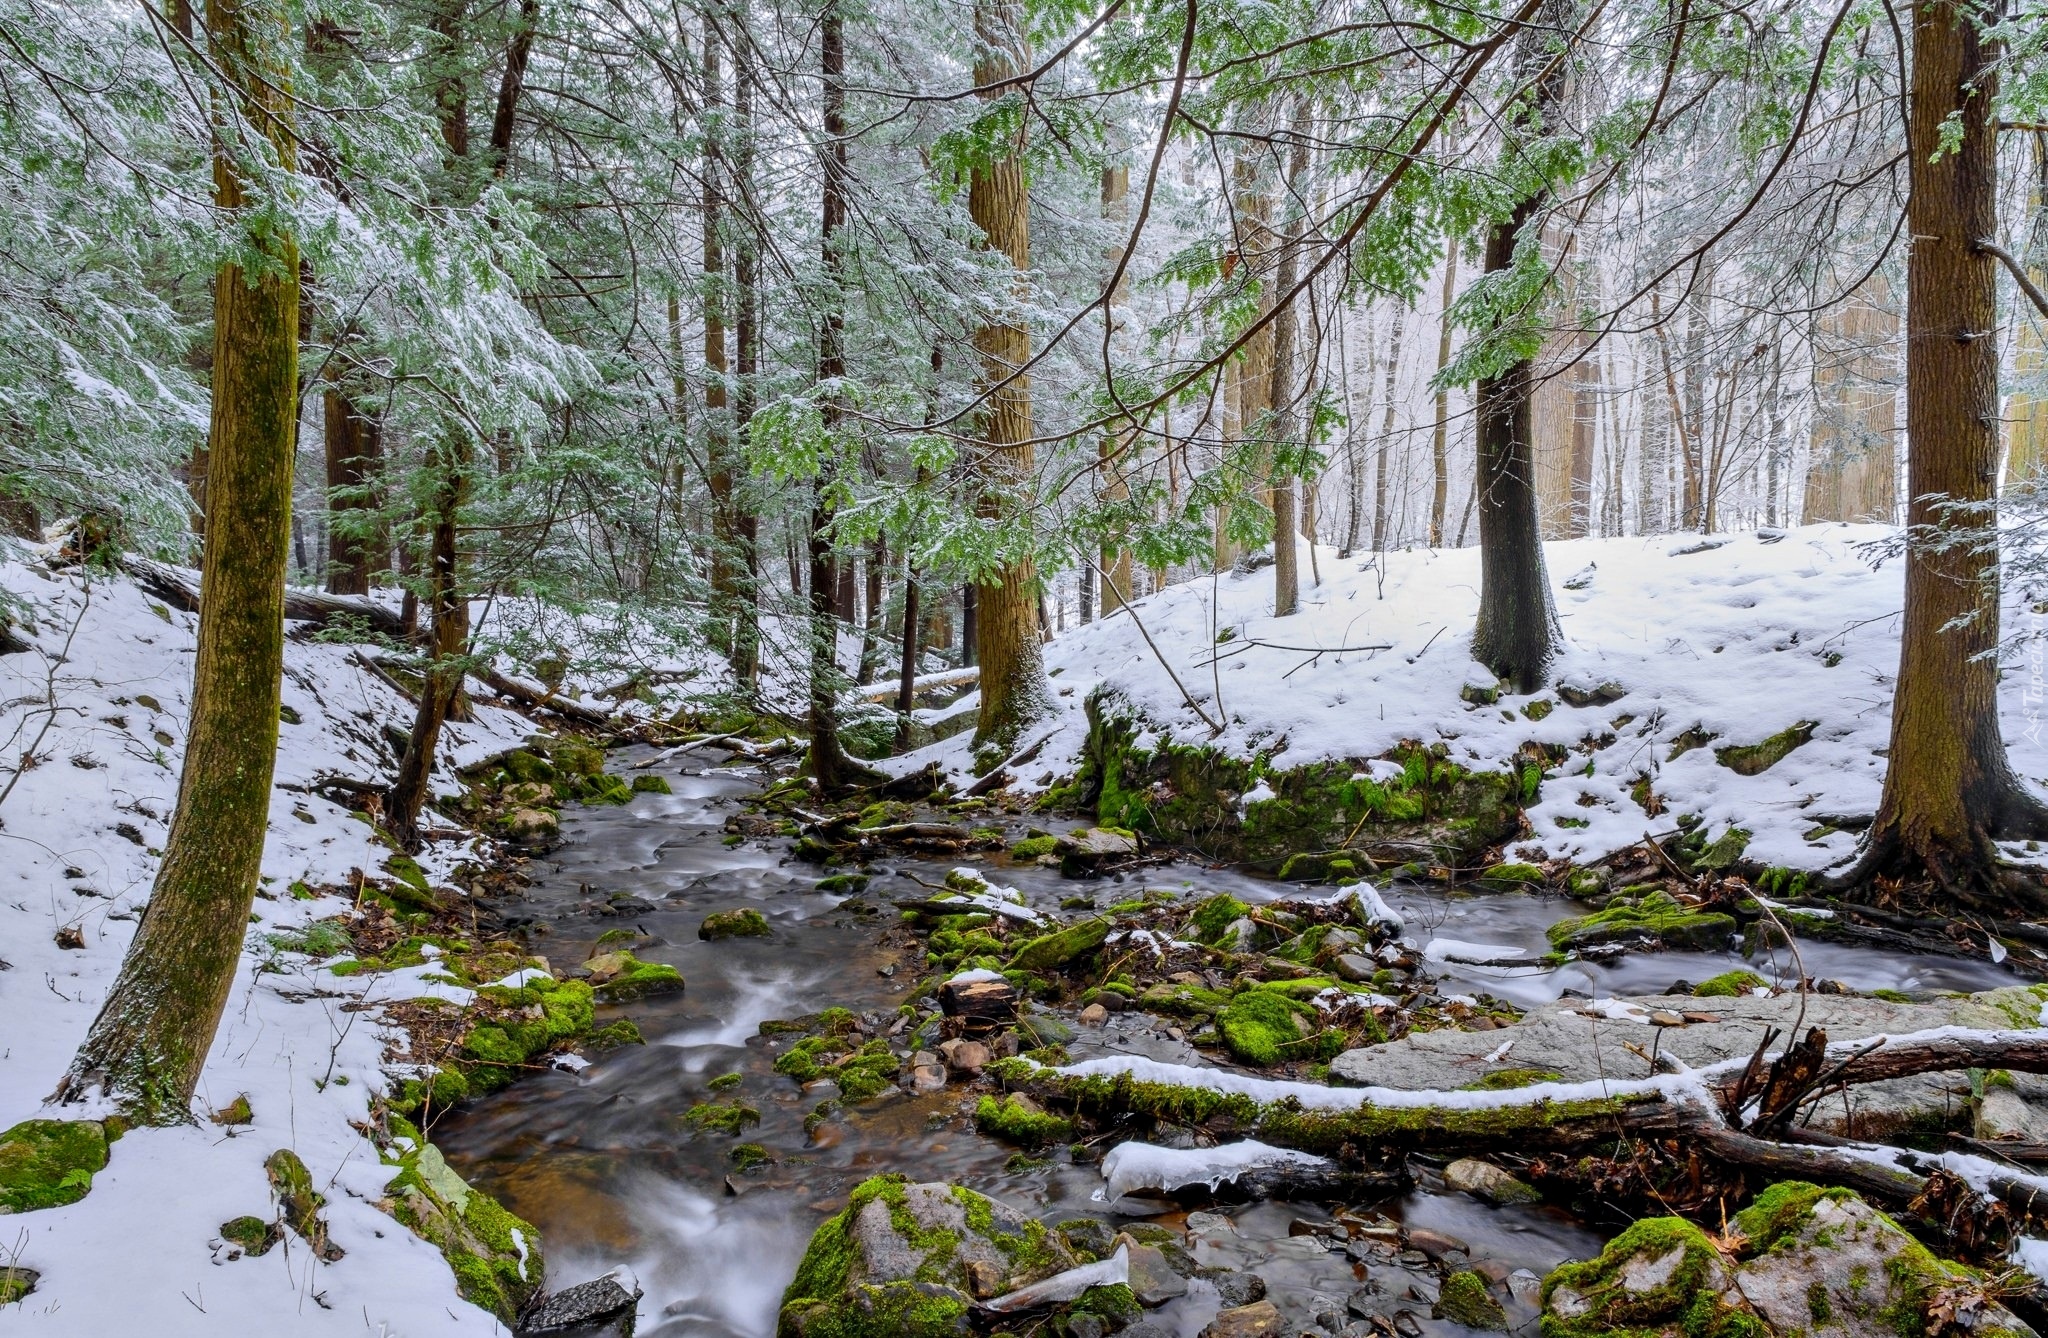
1663	1019
1094	1015
1435	1244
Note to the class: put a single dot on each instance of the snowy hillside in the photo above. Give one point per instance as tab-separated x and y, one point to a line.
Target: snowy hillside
1714	643
100	702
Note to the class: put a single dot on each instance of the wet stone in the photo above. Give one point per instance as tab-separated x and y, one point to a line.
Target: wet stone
1152	1280
586	1308
1239	1289
1257	1320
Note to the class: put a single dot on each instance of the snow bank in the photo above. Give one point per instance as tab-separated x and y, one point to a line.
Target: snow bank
1739	643
81	832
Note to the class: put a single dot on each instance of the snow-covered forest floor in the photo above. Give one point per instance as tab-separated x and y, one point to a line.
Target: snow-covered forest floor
100	702
1728	644
1716	642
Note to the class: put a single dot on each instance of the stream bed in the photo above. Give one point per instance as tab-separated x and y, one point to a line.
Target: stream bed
602	1162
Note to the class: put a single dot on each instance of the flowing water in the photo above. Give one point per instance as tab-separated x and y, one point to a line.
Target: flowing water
602	1162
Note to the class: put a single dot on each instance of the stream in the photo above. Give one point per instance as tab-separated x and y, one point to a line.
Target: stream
601	1161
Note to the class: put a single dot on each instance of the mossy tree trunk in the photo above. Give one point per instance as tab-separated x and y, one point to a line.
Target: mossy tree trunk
1949	791
1116	442
1008	644
150	1039
1517	633
354	441
746	270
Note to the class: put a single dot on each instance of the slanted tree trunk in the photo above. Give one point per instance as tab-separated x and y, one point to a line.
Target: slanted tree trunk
1949	790
1517	632
441	698
147	1045
1008	643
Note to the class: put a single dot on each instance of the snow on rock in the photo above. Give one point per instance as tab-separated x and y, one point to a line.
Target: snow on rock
101	700
1734	643
1132	1167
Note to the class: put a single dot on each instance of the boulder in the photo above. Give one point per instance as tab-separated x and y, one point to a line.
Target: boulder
531	826
620	977
496	1257
908	1261
1083	853
1152	1279
1482	1179
1052	951
49	1163
1260	1319
17	1282
743	923
586	1308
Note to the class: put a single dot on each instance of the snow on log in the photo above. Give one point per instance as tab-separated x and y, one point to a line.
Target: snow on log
945	678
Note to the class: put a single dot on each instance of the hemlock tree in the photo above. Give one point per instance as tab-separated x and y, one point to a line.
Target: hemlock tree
1949	791
1007	640
1517	632
150	1039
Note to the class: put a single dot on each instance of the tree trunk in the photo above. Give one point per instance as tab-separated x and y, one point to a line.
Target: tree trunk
1949	791
441	694
746	525
871	626
1009	647
355	455
718	444
147	1045
1517	631
828	762
1379	463
1285	386
1440	438
2027	415
1115	560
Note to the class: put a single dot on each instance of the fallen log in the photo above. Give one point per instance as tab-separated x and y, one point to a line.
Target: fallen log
945	678
179	587
538	699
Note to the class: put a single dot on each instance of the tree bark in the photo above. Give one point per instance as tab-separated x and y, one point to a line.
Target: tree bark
746	269
1008	642
827	761
147	1045
718	445
354	444
1379	465
1517	632
1440	438
1949	790
1286	386
1115	560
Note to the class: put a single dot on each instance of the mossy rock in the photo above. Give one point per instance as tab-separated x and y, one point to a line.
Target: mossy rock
652	785
844	884
1017	1119
745	922
604	788
523	764
495	1256
1052	951
628	978
1214	917
49	1163
1033	847
1465	1300
1662	1275
1751	759
1265	1026
16	1282
1138	778
907	1261
1513	876
1654	918
577	759
1729	985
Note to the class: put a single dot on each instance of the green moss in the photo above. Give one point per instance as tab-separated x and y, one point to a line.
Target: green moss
1053	951
1465	1300
1539	709
1892	996
652	785
1751	759
1009	1119
1116	1303
844	884
720	1117
49	1163
1728	985
1818	1303
1212	918
1614	1310
640	980
1507	1080
1514	875
1033	847
749	1156
253	1234
620	1033
1779	1212
1655	917
821	1301
743	923
1264	1026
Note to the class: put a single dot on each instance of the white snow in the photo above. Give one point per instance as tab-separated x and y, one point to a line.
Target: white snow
1130	1167
1738	642
80	838
1458	950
